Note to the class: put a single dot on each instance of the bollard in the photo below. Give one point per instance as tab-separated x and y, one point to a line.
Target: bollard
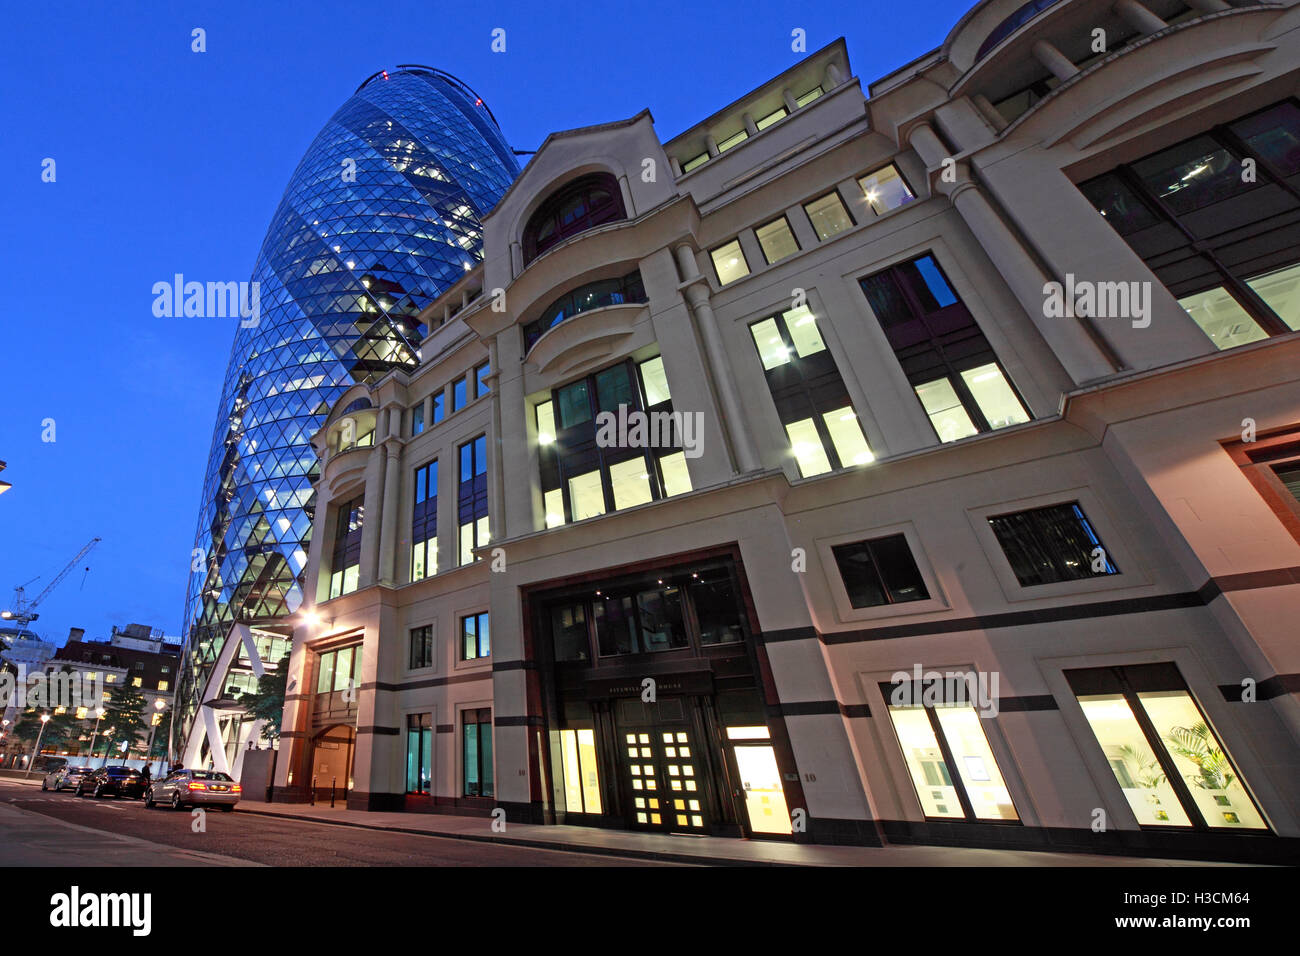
333	782
313	791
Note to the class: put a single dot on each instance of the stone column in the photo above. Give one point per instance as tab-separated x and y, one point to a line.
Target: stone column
496	474
790	103
1139	17
735	427
1054	60
750	126
989	112
388	530
372	521
1068	339
1209	6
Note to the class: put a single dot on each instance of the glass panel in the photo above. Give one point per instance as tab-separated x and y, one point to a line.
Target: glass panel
343	669
733	140
439	406
718	608
846	435
1221	318
776	240
1055	543
828	215
630	482
898	569
1275	135
458	395
468	638
480	380
614	625
676	476
1196	752
807	447
660	617
484	635
925	762
1149	795
729	261
1119	204
473	785
1193	175
553	505
699	160
946	413
572	775
613	388
808	97
764	797
351	577
996	399
858	571
586	497
467	543
1281	290
771	118
885	190
485	758
979	771
325	674
545	423
417	419
655	381
940	294
748	733
575	406
771	348
802	326
569	632
590	774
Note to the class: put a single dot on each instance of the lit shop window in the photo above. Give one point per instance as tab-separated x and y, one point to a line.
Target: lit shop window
760	779
1056	543
948	756
885	189
582	475
811	399
345	565
880	571
946	358
776	240
473	498
828	215
581	777
729	261
1167	760
424	523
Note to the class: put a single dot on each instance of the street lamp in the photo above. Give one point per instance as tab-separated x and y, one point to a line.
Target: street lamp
45	719
159	705
99	715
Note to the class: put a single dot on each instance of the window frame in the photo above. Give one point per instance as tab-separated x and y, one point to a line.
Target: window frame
424	520
788	228
480	639
844	208
480	717
549	212
744	261
1257	460
424	634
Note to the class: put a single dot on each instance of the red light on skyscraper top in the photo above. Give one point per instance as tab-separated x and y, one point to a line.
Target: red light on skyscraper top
385	72
478	102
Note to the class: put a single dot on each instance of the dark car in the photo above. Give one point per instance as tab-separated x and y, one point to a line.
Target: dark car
112	782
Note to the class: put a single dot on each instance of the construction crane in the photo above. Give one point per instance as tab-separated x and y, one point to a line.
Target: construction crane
22	608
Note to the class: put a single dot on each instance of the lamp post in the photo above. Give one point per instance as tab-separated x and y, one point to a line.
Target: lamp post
45	719
99	715
4	732
159	705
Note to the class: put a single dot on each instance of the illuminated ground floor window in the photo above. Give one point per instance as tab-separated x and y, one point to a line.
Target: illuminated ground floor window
581	773
1169	763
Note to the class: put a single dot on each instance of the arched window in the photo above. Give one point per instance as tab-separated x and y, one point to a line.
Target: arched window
577	206
593	295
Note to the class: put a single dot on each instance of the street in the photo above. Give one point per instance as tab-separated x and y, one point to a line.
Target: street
57	829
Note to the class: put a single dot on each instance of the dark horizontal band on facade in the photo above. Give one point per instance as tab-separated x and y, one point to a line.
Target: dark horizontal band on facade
1279	685
427	682
373	729
807	708
514	665
446	728
525	720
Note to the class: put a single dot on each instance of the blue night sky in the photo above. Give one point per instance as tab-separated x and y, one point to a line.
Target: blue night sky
172	161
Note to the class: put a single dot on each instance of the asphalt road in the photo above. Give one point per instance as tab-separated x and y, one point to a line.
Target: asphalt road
244	837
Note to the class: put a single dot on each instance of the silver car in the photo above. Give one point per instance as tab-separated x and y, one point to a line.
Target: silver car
194	788
64	778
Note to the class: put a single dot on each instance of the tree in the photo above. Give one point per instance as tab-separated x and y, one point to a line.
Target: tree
58	729
267	702
124	716
160	736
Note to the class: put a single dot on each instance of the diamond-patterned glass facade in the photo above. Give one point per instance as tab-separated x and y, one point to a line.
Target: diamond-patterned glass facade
379	218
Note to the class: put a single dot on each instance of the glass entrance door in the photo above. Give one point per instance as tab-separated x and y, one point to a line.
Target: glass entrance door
664	780
761	782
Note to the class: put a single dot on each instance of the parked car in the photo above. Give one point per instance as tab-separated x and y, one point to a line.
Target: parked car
112	782
64	778
194	788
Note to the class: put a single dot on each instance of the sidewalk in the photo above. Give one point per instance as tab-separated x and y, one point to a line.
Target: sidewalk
703	850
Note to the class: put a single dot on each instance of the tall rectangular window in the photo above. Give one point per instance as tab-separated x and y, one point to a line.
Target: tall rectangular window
475	637
729	262
581	771
339	670
880	571
1056	543
776	240
948	362
472	498
948	756
458	394
1227	246
345	563
476	731
1167	760
421	647
828	215
481	374
885	189
424	523
587	470
811	398
419	753
439	406
417	419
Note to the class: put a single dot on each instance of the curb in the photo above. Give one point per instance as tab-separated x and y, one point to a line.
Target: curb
664	856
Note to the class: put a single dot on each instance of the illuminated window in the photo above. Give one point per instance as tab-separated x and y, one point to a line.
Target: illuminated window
775	116
137	681
806	98
1056	543
885	189
947	360
811	399
776	240
880	571
339	670
345	565
948	757
729	261
734	140
694	162
581	776
163	685
472	511
1169	763
424	523
828	215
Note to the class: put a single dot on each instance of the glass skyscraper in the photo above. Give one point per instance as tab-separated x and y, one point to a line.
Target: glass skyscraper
381	215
